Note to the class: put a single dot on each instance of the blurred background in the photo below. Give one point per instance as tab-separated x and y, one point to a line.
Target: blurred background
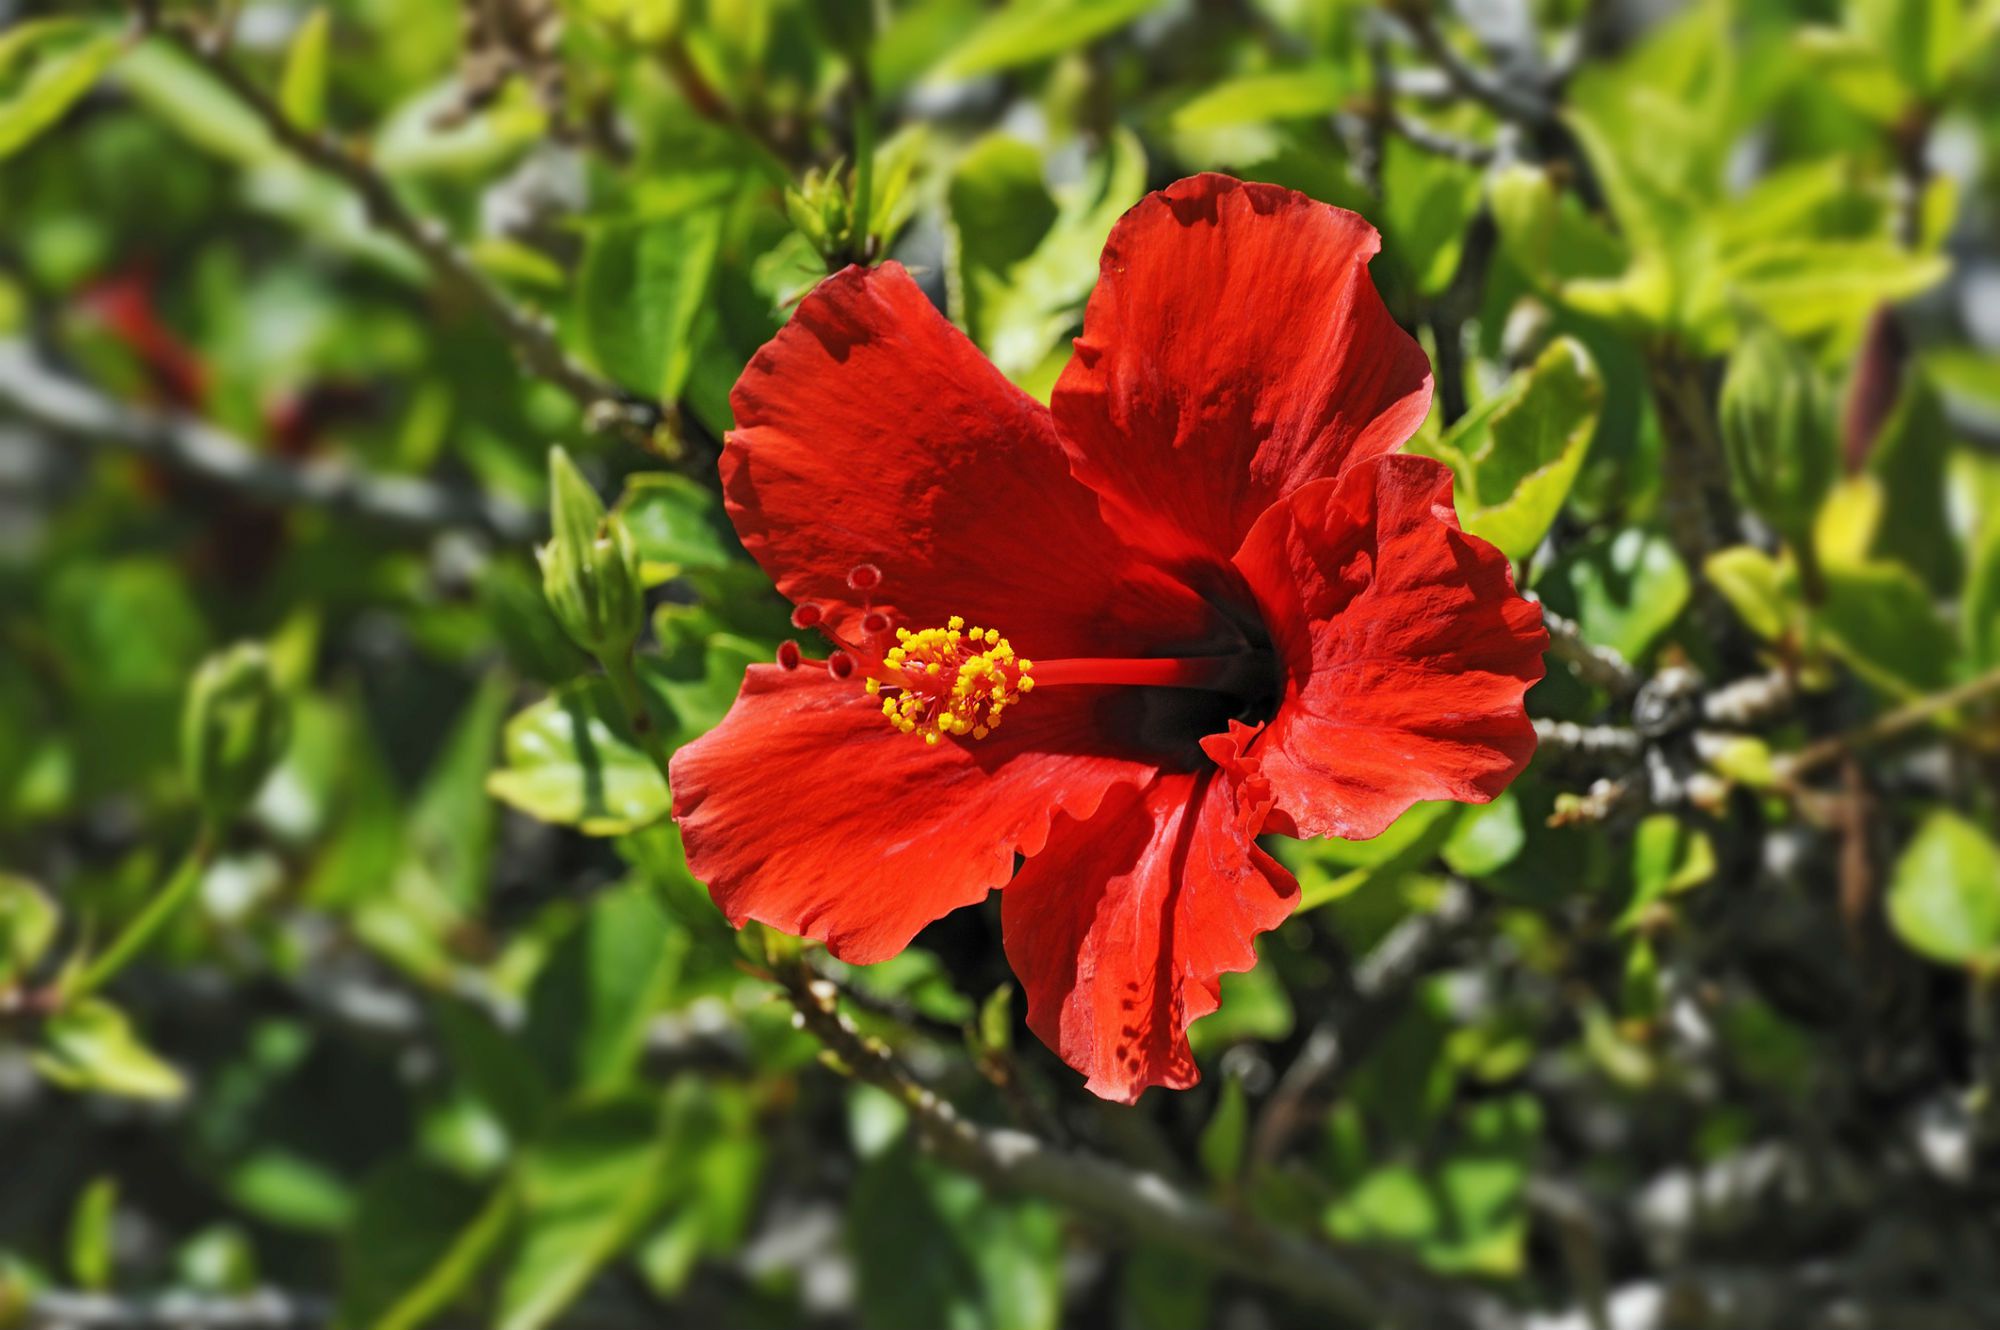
353	976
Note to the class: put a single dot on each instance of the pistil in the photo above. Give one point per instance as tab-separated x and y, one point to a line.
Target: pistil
1220	674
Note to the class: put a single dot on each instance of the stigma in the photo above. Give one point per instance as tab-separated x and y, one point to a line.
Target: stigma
952	680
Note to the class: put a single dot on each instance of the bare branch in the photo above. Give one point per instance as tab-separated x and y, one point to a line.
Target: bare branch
1893	725
192	447
264	1309
605	404
1130	1205
1382	981
1600	667
1558	739
1505	100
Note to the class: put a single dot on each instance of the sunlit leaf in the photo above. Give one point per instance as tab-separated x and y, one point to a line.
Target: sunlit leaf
572	758
1944	895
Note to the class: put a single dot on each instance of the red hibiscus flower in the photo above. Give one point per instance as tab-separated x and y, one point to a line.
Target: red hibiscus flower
1089	653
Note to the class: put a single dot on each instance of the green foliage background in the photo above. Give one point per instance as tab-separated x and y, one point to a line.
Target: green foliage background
1698	1026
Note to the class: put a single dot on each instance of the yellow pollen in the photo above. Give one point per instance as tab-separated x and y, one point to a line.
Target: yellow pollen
951	680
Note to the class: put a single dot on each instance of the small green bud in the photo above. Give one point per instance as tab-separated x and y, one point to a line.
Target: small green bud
1777	425
820	207
590	567
234	728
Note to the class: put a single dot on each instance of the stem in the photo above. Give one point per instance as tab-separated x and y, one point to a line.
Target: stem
1896	722
1221	674
605	405
1133	1207
861	223
1982	997
75	410
625	683
141	931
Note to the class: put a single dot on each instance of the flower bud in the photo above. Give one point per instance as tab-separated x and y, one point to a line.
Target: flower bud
1777	425
590	567
234	729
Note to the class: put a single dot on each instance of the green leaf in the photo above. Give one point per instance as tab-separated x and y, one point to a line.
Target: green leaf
1428	203
1855	70
57	82
674	522
1909	458
1944	895
1024	33
89	1046
588	1190
1463	1214
456	1266
1280	94
591	1003
1668	857
572	758
1018	305
641	287
1518	455
699	704
90	1234
1254	1005
1547	233
283	1187
1879	619
1923	40
932	1248
191	101
1331	868
409	1217
302	88
1759	588
1809	287
1222	1140
28	923
1624	591
1486	838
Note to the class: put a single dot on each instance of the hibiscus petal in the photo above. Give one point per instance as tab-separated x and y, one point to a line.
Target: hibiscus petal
871	431
1122	926
1234	349
806	810
1406	646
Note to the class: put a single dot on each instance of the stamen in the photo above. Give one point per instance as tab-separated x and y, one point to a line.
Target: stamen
950	681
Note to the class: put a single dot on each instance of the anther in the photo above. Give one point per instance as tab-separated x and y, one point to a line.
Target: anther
807	615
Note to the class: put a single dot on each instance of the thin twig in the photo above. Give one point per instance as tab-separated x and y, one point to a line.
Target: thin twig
605	404
33	391
1382	983
263	1309
1131	1206
73	409
1601	744
1505	100
1600	667
1892	725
